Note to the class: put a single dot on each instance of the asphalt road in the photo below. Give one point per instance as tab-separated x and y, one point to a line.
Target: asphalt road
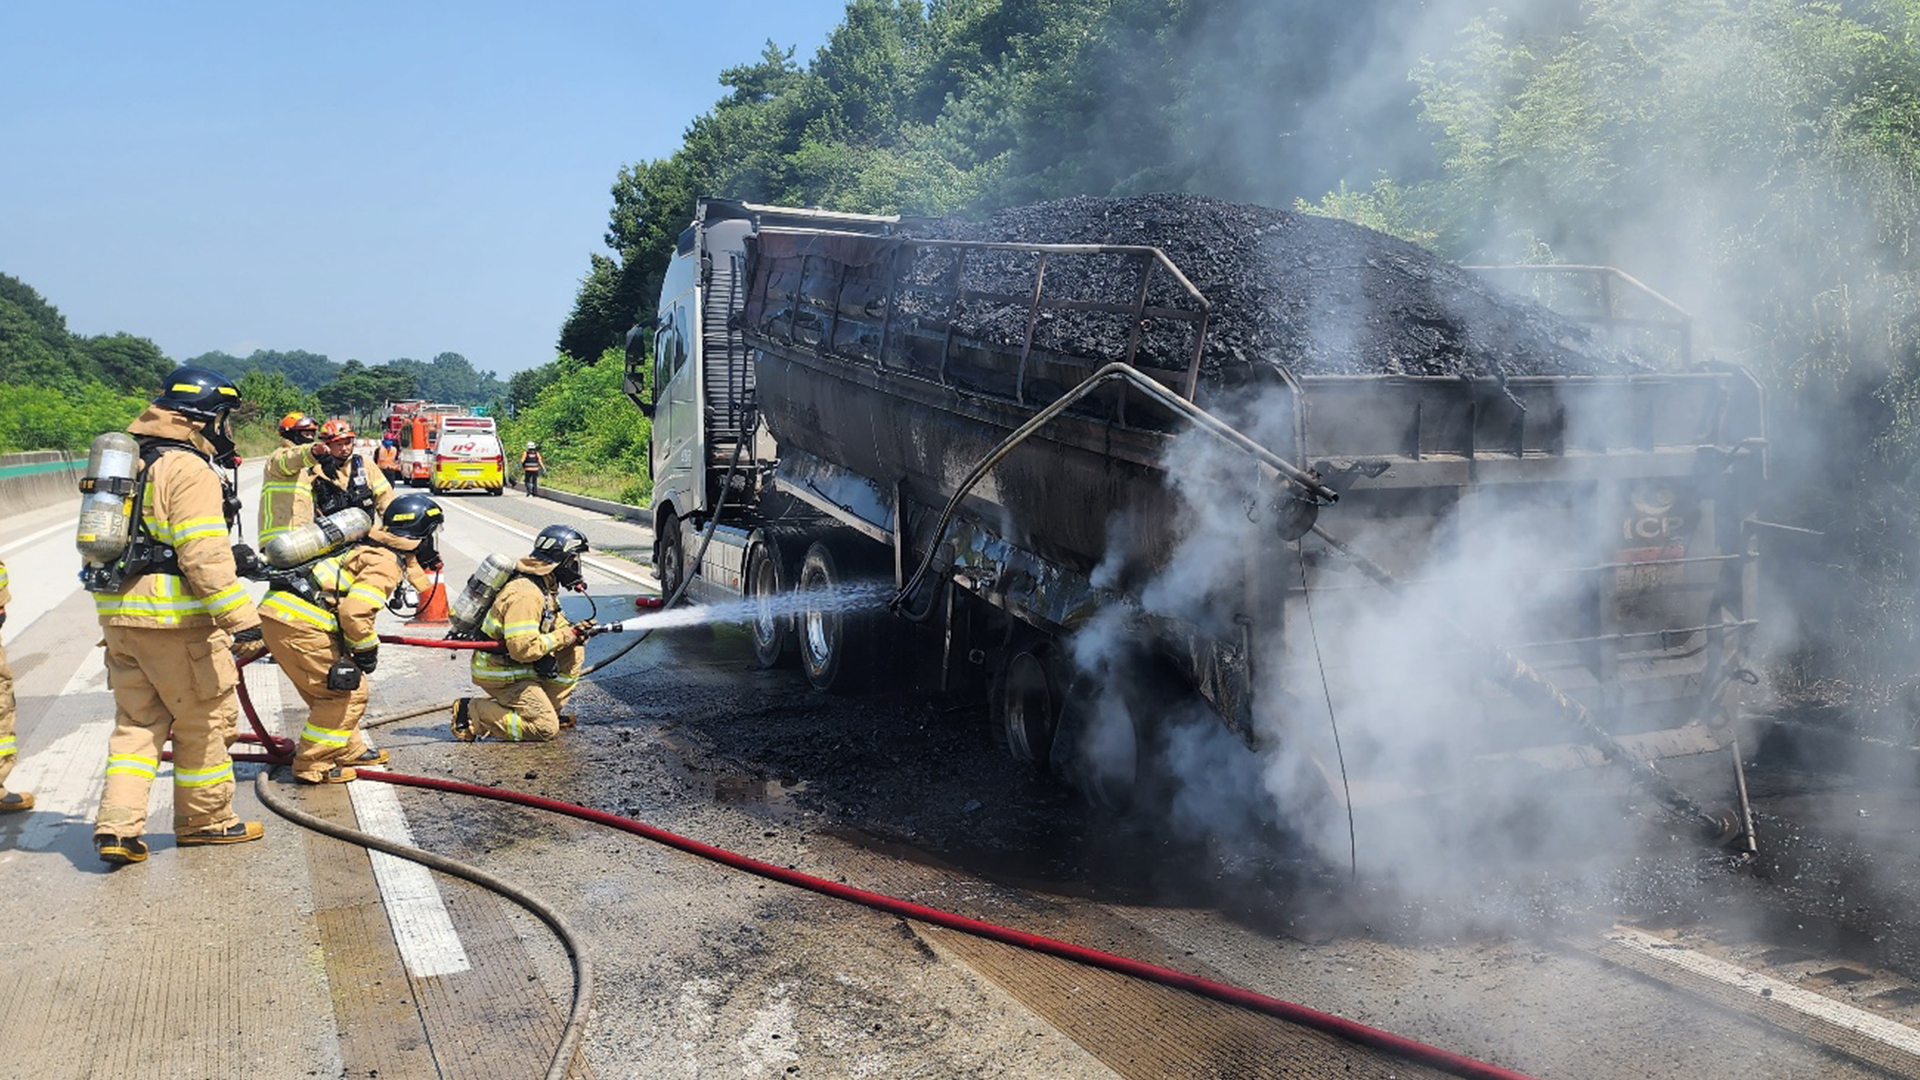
704	971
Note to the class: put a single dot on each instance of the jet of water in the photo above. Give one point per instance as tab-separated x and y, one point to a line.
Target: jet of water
839	599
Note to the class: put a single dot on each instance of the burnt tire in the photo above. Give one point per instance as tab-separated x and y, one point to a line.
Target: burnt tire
1109	728
669	555
837	647
1025	703
769	583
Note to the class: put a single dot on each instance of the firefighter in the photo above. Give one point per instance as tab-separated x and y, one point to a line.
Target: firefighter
344	477
286	496
11	802
387	458
529	683
319	623
176	617
531	466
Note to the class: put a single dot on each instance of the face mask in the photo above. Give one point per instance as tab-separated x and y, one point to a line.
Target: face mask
218	431
427	555
568	575
300	436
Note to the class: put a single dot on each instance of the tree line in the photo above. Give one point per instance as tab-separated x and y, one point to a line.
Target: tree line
59	389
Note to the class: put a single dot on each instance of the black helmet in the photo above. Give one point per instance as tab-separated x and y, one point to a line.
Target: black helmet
413	516
197	392
556	542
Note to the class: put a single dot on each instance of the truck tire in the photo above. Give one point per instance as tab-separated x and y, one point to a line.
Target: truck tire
669	554
769	583
836	646
1024	704
1104	747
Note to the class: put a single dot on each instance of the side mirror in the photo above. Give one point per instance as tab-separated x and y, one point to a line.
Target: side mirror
635	383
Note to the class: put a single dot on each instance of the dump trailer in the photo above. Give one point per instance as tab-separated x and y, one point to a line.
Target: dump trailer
1064	519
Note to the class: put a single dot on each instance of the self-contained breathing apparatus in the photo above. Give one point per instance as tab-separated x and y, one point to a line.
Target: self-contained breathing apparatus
332	493
113	537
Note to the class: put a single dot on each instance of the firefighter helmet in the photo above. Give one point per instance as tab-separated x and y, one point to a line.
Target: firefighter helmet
335	429
413	516
296	423
557	542
197	392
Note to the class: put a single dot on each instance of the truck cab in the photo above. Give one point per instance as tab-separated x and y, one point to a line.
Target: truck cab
691	371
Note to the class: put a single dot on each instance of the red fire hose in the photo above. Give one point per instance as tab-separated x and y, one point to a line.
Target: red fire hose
1352	1031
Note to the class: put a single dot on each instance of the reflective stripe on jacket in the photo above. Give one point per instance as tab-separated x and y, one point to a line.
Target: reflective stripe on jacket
286	491
5	595
515	620
354	586
184	508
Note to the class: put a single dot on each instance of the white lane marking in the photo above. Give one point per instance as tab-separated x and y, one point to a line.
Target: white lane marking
67	775
421	925
21	544
1865	1024
640	578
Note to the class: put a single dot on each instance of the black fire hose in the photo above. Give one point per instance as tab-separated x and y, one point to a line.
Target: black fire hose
575	1030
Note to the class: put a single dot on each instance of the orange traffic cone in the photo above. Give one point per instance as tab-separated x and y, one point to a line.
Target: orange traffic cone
433	606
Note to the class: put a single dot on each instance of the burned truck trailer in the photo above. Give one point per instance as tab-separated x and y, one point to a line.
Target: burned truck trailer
1023	447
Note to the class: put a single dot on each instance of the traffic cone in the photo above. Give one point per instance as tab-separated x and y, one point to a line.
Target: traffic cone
433	606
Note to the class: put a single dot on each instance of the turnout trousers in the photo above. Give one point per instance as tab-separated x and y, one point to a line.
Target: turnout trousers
8	751
524	711
170	683
332	734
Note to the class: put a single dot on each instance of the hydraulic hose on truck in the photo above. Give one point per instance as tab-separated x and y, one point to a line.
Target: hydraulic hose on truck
1360	1034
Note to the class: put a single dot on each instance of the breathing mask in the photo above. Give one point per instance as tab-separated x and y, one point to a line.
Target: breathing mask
218	431
568	574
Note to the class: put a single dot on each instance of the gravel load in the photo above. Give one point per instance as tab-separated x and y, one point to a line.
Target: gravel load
1314	295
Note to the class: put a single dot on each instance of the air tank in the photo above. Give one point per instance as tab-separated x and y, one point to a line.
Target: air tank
307	542
469	609
106	510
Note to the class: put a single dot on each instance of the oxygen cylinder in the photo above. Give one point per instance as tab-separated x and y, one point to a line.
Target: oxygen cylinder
310	541
106	509
469	609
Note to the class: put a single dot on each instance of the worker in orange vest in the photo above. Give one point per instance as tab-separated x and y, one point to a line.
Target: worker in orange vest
531	466
387	459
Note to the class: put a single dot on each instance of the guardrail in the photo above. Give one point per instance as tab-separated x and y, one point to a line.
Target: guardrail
38	478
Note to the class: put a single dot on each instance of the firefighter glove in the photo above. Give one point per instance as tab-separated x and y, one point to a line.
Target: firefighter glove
248	643
367	659
585	629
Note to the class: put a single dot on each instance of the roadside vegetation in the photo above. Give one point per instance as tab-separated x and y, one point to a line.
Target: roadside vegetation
592	438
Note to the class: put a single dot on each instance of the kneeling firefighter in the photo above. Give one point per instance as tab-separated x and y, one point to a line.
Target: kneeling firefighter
528	684
319	623
153	530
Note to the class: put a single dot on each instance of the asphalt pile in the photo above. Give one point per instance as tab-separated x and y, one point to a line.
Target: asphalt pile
1312	295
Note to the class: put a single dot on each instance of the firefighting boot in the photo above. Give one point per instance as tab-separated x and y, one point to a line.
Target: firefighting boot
15	801
119	850
462	725
339	774
568	721
238	833
371	756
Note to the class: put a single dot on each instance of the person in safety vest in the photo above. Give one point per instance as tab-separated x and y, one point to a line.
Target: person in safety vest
531	466
286	496
388	460
319	622
176	616
11	802
528	684
343	477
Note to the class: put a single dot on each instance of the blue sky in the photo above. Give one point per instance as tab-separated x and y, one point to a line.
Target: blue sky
363	180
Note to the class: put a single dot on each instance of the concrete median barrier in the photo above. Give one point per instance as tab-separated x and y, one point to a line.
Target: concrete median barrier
640	514
38	478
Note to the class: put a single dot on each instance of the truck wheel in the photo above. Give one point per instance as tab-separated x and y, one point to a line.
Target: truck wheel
1025	705
669	560
835	645
771	628
1104	746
